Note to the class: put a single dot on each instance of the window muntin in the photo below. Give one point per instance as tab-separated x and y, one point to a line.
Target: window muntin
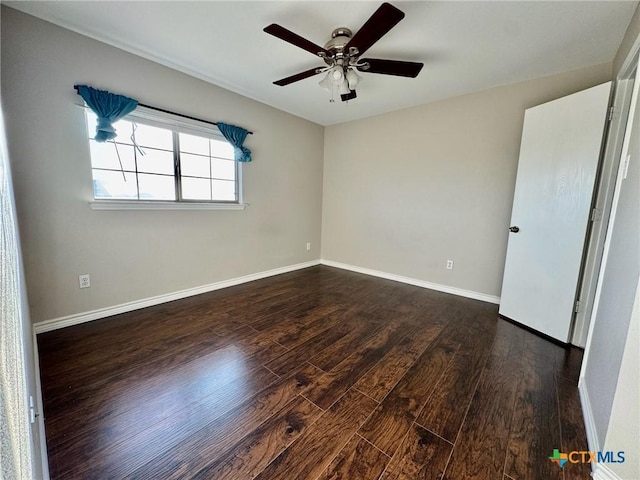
165	163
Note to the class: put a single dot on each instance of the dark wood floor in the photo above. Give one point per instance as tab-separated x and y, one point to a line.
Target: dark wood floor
316	374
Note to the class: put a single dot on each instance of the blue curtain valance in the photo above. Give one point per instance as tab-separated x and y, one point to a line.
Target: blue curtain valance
109	108
235	136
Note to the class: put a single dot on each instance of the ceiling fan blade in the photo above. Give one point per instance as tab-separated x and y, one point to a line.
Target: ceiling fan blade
348	96
384	19
294	39
391	67
298	76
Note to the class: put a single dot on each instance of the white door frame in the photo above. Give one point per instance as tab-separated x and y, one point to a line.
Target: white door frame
623	89
595	443
26	403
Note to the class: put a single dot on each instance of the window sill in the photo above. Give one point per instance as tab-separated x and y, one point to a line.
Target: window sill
142	205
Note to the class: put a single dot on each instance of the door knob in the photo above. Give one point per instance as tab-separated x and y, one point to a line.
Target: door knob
514	229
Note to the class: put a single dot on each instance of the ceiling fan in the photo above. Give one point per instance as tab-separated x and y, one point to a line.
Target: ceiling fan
342	53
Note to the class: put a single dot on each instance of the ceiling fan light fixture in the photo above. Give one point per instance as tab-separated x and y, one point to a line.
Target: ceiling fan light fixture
337	75
326	82
344	89
353	78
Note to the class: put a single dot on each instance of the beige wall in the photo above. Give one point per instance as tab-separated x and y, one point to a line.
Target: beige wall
133	255
407	190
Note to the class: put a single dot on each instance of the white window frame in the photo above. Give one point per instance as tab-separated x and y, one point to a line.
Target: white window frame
175	123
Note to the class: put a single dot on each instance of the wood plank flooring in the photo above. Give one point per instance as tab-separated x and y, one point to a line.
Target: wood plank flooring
317	374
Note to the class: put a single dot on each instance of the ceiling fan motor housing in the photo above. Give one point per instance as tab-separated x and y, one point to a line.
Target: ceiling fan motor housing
336	47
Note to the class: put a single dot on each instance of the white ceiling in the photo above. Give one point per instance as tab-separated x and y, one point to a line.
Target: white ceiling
465	46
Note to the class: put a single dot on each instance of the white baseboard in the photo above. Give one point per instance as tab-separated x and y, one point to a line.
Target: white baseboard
83	317
78	318
412	281
587	413
602	472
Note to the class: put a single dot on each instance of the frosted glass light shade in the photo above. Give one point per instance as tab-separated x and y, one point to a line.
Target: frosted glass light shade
337	75
343	89
326	82
353	78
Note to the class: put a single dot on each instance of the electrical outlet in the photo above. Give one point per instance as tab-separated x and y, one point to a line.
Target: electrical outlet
308	245
85	281
449	264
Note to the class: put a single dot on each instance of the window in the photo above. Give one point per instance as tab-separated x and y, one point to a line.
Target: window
160	160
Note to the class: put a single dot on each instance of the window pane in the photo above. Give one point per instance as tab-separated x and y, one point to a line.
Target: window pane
148	136
156	187
196	188
224	190
155	161
193	144
222	149
224	169
109	184
194	165
104	155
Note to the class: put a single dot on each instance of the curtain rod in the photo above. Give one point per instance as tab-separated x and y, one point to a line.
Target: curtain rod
170	112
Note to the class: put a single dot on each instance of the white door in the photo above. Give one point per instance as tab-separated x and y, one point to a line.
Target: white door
559	154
